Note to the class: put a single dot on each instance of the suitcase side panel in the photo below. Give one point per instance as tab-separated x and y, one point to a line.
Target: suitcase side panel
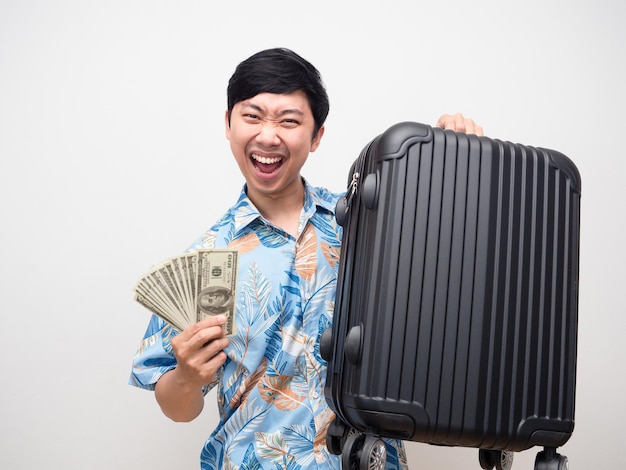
467	309
533	319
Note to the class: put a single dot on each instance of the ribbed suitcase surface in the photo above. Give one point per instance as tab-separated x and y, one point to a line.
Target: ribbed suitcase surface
456	312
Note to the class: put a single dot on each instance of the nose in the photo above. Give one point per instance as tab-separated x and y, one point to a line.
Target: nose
268	134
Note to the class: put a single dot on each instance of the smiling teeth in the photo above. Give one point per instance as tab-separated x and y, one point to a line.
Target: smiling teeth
265	160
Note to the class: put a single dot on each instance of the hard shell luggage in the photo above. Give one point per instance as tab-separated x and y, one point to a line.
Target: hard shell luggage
457	300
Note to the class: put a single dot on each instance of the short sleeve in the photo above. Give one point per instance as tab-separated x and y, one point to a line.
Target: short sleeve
154	356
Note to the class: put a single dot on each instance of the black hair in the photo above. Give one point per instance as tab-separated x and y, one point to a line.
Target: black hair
280	71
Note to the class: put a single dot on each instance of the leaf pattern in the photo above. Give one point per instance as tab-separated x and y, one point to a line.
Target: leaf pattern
306	254
326	226
322	422
270	391
207	241
272	447
331	254
209	456
270	237
279	391
250	461
247	386
243	213
245	244
299	439
253	318
248	417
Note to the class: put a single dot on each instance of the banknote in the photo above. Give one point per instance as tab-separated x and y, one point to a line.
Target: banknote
187	288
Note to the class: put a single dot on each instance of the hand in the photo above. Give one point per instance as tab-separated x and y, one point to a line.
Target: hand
459	123
199	352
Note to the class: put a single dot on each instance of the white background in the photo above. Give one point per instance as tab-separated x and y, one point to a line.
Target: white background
113	157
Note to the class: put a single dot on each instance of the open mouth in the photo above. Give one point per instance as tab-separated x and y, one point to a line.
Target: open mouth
266	164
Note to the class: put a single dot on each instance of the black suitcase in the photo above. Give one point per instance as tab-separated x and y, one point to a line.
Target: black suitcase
457	300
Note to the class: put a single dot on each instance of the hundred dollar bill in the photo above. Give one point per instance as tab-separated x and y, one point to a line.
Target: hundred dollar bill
187	288
217	286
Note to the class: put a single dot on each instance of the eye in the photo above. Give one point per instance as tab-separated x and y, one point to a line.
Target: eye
290	122
251	117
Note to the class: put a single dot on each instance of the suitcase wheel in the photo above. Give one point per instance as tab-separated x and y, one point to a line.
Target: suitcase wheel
550	460
336	436
363	452
498	459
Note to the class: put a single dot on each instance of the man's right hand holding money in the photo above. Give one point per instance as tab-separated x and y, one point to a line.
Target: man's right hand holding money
199	353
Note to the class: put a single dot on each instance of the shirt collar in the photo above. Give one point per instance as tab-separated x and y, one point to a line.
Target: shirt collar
245	212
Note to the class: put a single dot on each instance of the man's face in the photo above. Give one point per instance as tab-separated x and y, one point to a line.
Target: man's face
213	300
271	136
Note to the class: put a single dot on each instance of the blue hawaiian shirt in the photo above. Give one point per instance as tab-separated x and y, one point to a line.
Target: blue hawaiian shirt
273	413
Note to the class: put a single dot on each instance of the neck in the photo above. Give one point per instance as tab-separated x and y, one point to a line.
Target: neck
281	210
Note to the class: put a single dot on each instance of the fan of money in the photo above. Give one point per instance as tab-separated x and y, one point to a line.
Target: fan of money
184	289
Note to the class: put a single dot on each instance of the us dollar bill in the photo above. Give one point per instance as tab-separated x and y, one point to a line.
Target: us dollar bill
217	284
187	288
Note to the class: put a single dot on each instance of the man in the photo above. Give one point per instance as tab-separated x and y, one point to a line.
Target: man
270	376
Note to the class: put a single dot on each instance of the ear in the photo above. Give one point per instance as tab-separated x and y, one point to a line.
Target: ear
317	139
227	125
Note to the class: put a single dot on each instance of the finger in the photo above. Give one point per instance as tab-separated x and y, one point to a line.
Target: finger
213	348
451	122
191	331
206	335
211	366
218	360
472	128
446	121
459	123
201	367
194	356
441	122
212	320
186	348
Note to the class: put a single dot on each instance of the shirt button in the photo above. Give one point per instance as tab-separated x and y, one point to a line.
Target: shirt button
316	394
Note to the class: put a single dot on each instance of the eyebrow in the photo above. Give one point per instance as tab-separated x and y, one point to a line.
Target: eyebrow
247	104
